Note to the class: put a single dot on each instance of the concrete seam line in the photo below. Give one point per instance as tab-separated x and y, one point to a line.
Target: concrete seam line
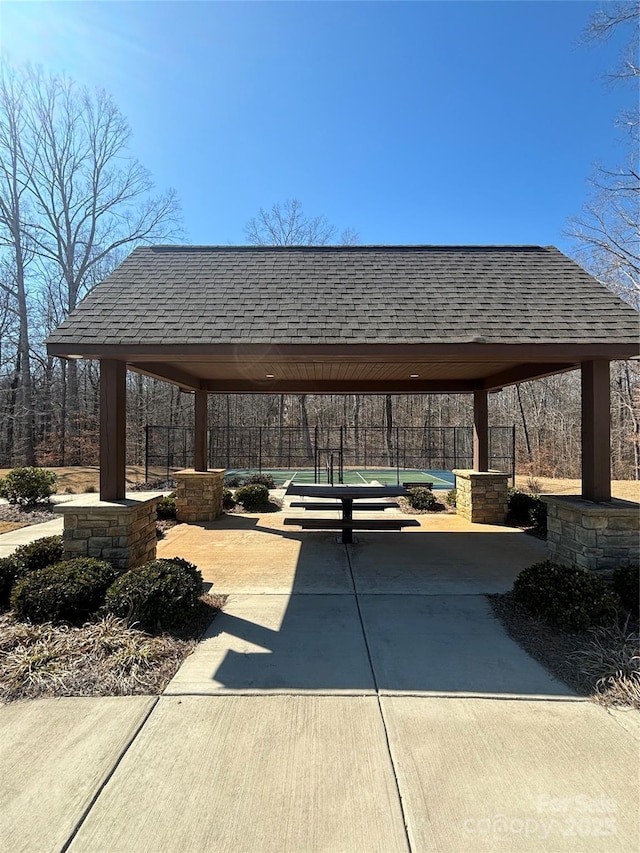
107	778
377	695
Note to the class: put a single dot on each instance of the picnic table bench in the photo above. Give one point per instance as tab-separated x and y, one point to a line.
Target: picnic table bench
347	495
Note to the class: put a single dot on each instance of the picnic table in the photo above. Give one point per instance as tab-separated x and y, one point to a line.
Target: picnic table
350	497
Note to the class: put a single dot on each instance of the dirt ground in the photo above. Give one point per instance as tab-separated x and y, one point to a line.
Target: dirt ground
625	489
8	526
82	479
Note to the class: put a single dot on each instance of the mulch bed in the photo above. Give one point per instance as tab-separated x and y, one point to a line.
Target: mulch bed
102	658
440	509
549	646
27	516
556	649
274	505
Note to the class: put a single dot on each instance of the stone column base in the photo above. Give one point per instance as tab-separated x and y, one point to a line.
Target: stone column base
122	532
482	496
593	536
199	494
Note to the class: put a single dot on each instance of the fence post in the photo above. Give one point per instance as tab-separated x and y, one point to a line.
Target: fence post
146	453
260	450
513	455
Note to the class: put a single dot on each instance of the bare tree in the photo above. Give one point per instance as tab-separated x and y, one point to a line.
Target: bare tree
610	19
84	199
607	233
286	224
15	255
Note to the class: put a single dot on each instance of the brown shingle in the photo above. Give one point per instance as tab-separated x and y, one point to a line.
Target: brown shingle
387	294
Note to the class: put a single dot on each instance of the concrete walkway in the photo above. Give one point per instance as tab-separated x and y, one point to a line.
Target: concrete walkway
358	698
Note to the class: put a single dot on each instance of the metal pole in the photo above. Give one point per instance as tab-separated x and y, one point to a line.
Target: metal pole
315	453
455	447
513	455
168	449
260	449
146	453
397	456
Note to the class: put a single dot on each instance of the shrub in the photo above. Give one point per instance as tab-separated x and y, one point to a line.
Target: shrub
626	583
167	506
27	487
25	559
234	481
421	498
566	596
7	578
538	516
228	500
452	497
261	480
38	554
519	506
527	509
70	591
253	497
161	594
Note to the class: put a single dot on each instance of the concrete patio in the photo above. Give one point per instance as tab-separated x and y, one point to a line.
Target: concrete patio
349	698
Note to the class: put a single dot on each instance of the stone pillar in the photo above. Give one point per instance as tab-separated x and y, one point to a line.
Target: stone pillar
594	536
122	532
482	496
199	494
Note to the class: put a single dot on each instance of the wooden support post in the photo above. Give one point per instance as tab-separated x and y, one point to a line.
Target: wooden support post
113	408
480	431
596	431
200	455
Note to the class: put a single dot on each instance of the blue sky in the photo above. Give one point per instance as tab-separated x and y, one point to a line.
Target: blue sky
434	122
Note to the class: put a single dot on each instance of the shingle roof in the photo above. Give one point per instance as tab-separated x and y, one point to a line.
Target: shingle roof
357	294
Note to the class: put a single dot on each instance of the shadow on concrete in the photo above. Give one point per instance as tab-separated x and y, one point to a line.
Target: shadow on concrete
406	614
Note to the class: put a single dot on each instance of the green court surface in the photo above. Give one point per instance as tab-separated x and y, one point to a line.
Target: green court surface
352	476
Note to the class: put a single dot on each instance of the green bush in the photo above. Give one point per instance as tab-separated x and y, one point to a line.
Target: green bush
27	487
566	596
161	594
527	509
421	498
7	578
37	554
25	559
253	497
228	500
167	506
233	481
519	506
452	497
626	583
261	480
70	591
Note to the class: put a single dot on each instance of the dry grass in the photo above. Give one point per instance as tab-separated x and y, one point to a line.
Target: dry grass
610	660
628	490
79	479
8	526
603	663
74	480
103	658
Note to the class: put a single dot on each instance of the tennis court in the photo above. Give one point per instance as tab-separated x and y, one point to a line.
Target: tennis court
353	476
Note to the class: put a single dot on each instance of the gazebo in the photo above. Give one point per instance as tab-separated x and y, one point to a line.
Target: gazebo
353	319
